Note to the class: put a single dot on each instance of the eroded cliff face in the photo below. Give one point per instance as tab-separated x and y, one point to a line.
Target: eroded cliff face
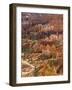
42	43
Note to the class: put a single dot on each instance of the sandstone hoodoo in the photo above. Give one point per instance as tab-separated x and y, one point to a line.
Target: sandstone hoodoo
42	44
